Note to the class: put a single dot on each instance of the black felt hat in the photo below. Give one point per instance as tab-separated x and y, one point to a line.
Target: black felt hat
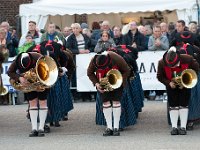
185	37
171	57
102	60
24	60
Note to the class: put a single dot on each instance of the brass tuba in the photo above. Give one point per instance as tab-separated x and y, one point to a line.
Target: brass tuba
113	80
43	76
187	79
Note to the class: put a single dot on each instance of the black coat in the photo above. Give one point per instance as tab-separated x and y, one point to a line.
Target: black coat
72	44
139	39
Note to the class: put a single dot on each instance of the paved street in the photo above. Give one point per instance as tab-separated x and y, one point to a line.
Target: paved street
80	132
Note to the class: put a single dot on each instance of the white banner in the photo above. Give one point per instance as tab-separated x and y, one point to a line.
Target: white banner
147	66
83	82
4	75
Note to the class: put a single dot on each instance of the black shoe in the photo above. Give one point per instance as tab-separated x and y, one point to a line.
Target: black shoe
57	124
116	132
108	132
182	131
174	131
46	129
33	133
65	118
41	133
190	126
121	129
51	124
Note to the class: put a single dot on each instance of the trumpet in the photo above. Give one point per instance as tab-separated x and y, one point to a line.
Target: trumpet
187	79
113	80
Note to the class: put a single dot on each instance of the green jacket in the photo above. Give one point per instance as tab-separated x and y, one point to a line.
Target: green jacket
56	36
25	47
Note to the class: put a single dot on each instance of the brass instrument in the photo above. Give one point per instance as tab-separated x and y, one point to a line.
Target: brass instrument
113	80
43	76
3	89
187	79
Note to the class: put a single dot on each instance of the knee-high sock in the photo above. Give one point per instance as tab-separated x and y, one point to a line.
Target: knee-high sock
174	114
183	117
116	116
33	115
42	116
108	116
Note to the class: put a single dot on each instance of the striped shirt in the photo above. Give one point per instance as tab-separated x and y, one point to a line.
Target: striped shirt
81	42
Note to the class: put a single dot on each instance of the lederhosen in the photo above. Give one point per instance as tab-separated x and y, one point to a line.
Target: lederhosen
101	72
33	94
177	97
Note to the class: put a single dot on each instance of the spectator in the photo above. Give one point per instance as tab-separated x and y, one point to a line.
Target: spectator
77	42
106	26
164	30
192	28
143	30
134	38
53	35
11	39
117	35
171	28
180	27
29	43
84	25
157	41
95	32
66	32
58	28
104	43
33	31
3	46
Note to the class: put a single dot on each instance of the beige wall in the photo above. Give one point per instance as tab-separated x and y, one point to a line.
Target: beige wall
114	19
61	21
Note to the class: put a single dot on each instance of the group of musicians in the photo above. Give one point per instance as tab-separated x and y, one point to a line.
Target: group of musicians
116	107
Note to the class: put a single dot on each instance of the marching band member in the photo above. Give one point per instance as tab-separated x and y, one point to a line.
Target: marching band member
59	99
171	65
101	64
187	46
23	63
131	100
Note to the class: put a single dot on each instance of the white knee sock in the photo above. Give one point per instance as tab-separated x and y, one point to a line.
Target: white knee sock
42	116
174	114
108	116
116	115
183	117
33	115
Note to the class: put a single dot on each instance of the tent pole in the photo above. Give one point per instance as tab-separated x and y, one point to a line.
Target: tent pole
198	11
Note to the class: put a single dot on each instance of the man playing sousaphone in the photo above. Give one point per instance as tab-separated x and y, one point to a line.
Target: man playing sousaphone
172	65
22	64
99	68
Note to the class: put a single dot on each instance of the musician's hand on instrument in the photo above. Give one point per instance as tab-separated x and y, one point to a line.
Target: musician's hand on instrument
172	85
23	81
99	88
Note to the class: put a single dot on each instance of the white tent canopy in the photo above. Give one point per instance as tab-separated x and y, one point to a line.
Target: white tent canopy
39	11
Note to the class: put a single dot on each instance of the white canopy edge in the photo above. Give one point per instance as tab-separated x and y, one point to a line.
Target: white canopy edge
39	11
62	7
